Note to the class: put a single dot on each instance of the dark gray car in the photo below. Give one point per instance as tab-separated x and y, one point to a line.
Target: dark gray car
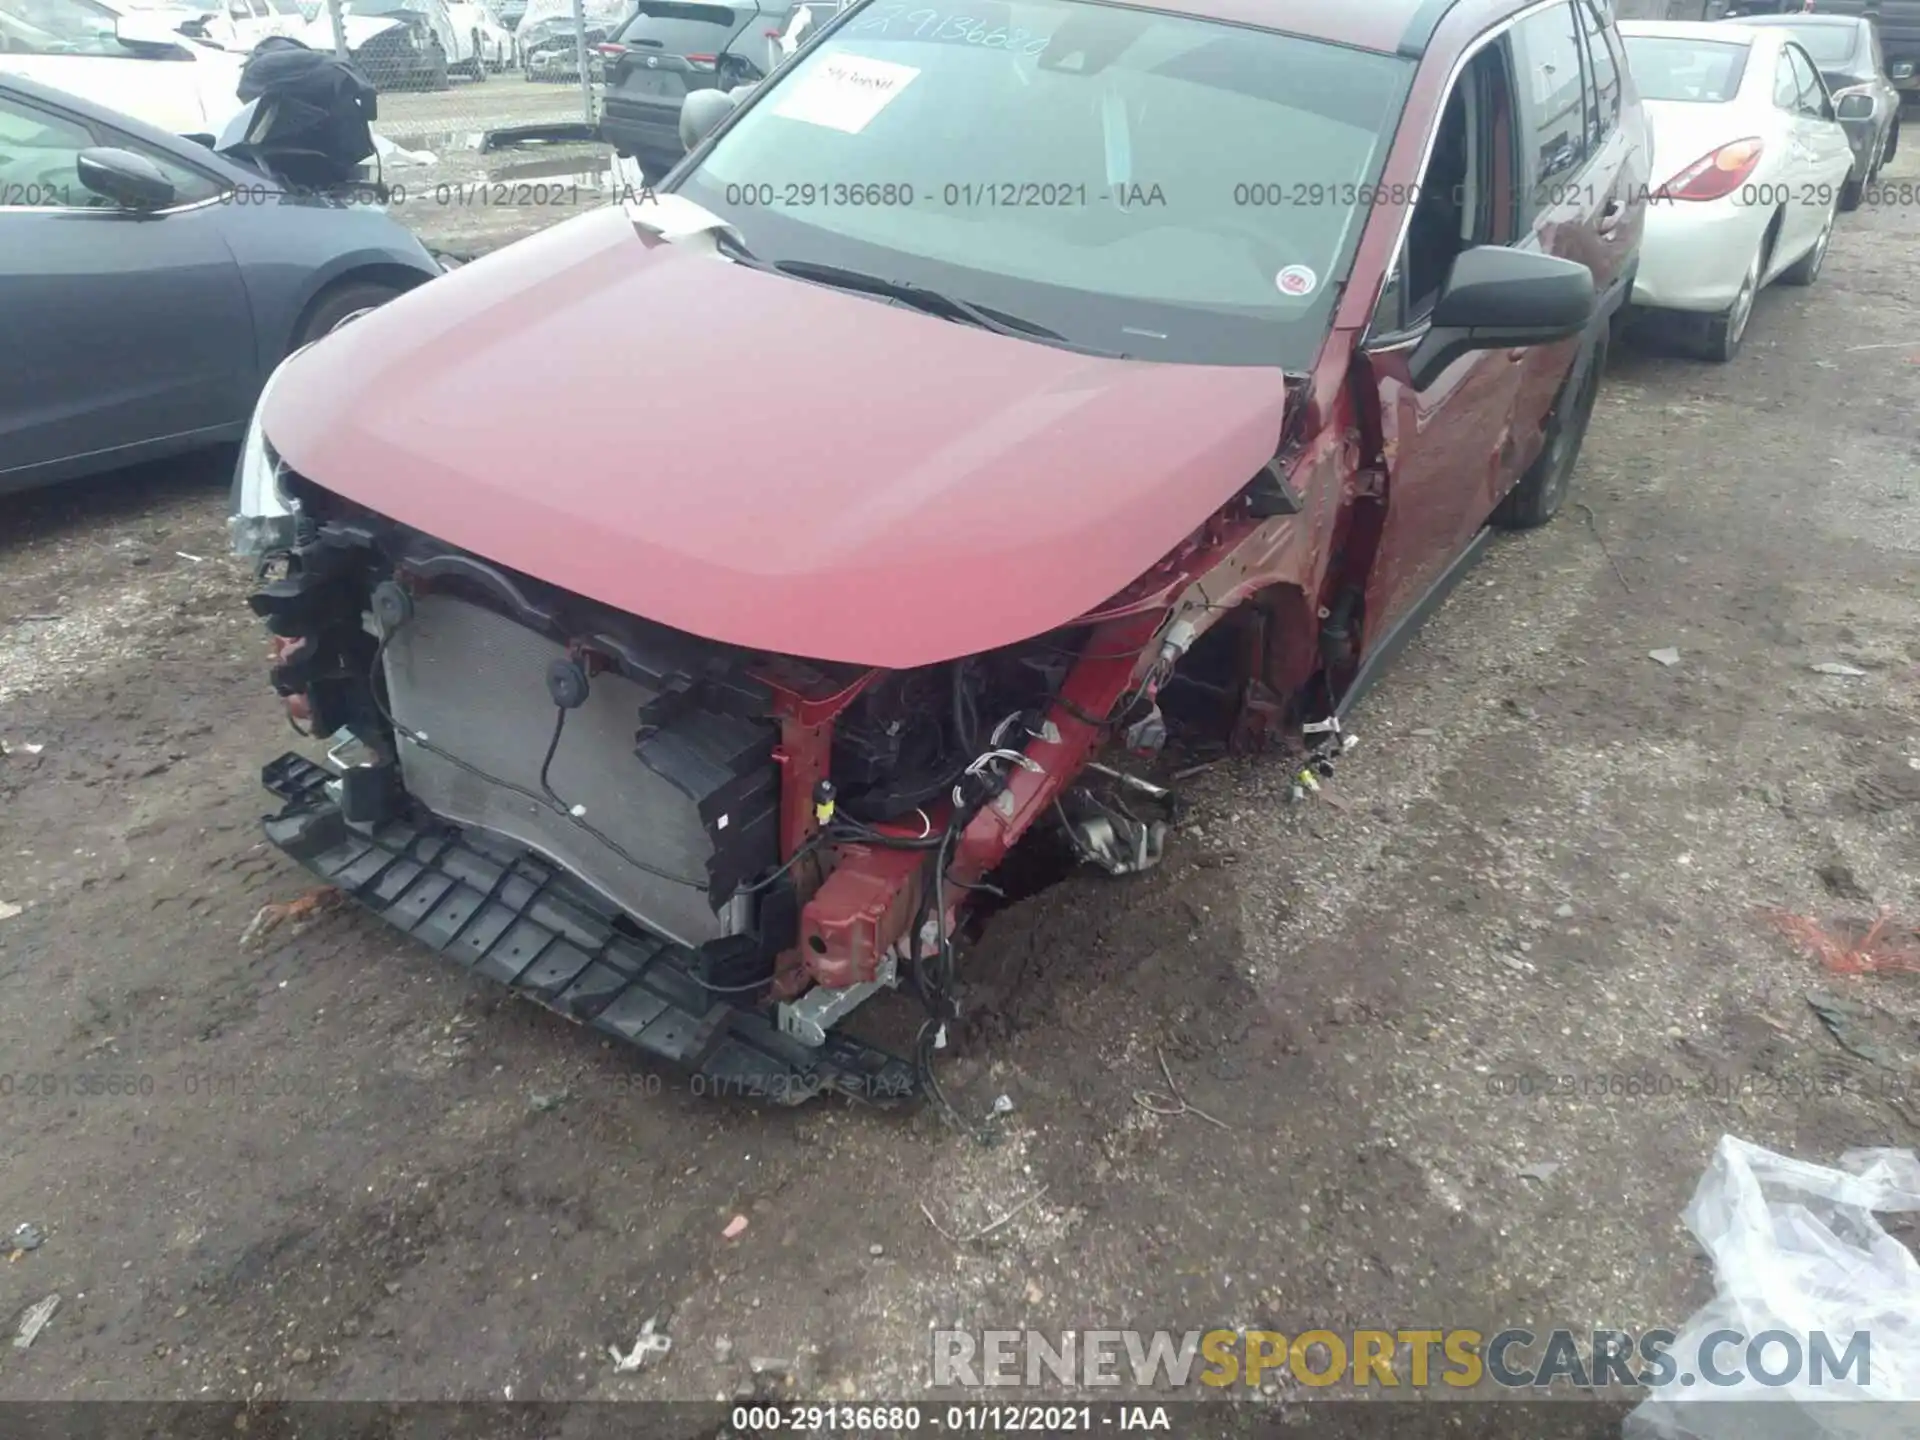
1846	50
670	49
150	286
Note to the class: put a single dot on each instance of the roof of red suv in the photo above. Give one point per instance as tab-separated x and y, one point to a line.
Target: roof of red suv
1386	25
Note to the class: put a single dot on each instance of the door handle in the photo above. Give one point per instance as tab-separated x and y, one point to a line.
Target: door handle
1610	217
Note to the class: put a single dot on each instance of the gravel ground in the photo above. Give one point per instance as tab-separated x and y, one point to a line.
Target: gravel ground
347	1170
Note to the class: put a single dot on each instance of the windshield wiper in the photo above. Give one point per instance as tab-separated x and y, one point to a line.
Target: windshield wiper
932	302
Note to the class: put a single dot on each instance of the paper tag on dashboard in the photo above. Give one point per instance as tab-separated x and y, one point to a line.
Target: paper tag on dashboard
844	92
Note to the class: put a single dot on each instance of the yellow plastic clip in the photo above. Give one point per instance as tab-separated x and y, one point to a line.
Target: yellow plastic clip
823	812
1310	781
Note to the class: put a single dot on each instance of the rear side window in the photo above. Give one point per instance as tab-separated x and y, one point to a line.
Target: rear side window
1703	72
1606	74
1553	101
670	28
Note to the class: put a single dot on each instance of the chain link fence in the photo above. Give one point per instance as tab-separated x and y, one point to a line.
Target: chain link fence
488	109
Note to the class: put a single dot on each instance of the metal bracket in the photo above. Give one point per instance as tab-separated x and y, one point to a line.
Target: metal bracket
810	1017
350	751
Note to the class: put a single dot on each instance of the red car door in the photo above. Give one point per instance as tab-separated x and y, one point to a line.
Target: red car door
1580	166
1448	450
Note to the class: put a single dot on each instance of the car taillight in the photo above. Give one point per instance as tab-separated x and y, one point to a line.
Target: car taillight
610	50
703	62
1716	174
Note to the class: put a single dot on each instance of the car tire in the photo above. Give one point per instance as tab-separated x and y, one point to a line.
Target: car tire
1806	269
1725	331
1543	489
437	68
1852	191
479	58
1893	140
336	306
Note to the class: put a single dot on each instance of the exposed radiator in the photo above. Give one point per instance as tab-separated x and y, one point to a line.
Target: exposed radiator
475	683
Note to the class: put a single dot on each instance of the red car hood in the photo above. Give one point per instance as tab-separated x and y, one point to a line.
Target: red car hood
763	461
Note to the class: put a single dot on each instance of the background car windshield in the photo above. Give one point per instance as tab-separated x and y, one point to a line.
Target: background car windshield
59	27
1142	183
1827	44
1703	71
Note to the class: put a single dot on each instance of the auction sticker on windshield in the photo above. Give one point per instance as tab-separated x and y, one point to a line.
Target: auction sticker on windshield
1297	280
844	92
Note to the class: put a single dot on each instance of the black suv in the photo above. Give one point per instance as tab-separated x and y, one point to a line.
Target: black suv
670	48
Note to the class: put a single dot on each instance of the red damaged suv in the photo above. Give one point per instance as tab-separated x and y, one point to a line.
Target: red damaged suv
989	392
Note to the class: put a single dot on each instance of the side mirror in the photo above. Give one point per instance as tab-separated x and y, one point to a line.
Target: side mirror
701	114
1903	71
131	181
146	28
1499	299
1854	107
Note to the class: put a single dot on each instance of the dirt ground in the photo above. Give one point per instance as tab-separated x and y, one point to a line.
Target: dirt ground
347	1170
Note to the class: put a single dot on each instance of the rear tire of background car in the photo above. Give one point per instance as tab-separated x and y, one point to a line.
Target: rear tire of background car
437	75
342	303
1543	489
479	58
1806	269
1726	330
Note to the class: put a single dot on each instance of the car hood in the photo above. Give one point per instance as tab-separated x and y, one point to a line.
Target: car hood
183	97
762	461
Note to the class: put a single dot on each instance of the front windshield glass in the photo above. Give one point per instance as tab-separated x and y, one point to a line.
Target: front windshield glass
1145	184
1827	44
60	27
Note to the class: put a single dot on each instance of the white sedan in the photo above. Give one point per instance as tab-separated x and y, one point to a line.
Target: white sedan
1752	160
130	60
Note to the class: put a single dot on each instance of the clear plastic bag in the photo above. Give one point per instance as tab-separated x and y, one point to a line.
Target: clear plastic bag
1795	1248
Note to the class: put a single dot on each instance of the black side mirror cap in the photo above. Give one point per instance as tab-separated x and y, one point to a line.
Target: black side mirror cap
131	181
1498	299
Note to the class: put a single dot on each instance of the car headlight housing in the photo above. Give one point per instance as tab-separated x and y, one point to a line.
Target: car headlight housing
264	517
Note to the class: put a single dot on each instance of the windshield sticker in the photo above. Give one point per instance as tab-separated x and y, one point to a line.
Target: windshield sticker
910	22
844	92
1297	280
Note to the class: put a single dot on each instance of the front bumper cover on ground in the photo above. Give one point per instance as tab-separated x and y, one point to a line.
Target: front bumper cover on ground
508	914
